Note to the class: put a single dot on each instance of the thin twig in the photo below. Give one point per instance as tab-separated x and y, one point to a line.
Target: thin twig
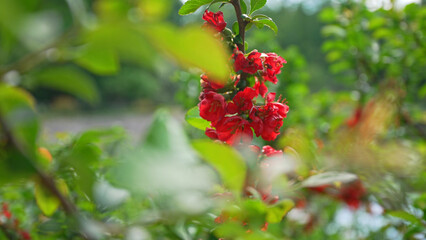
47	181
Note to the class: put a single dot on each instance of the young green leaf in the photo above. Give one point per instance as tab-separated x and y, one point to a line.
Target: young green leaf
275	213
266	22
18	115
46	201
243	6
405	216
256	5
98	59
226	160
194	119
191	6
235	28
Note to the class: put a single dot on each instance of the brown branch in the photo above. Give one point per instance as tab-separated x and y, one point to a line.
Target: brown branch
47	181
241	23
242	29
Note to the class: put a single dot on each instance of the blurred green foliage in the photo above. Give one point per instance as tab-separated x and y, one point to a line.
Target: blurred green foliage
99	185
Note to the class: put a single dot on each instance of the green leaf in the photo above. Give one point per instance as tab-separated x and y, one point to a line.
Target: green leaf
333	30
227	161
70	80
235	28
46	201
192	47
275	213
329	178
261	16
18	115
266	22
191	6
81	158
328	14
243	6
194	119
98	59
405	216
166	134
256	5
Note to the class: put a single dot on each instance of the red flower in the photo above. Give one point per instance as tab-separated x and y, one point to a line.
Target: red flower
242	101
212	107
214	20
270	151
354	120
273	64
352	193
234	130
6	212
211	133
210	85
25	235
268	119
250	65
260	88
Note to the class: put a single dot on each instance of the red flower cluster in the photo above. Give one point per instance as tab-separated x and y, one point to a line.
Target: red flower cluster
233	121
231	107
350	193
12	227
214	20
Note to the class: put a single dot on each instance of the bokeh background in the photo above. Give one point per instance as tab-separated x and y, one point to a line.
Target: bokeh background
354	82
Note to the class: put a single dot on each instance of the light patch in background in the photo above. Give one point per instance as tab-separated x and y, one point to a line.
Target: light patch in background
41	29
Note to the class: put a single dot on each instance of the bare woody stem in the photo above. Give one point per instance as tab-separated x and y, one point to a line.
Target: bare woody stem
242	30
241	23
47	181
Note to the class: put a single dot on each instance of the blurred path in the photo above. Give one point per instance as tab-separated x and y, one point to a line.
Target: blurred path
135	124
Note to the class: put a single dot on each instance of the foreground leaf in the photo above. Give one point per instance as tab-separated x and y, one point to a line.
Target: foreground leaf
227	161
192	47
275	213
405	216
329	178
46	201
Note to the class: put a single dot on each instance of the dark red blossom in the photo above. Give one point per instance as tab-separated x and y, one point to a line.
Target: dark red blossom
260	88
242	101
270	151
234	130
354	120
250	65
25	235
212	107
352	193
211	133
208	84
268	119
5	211
272	67
214	20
